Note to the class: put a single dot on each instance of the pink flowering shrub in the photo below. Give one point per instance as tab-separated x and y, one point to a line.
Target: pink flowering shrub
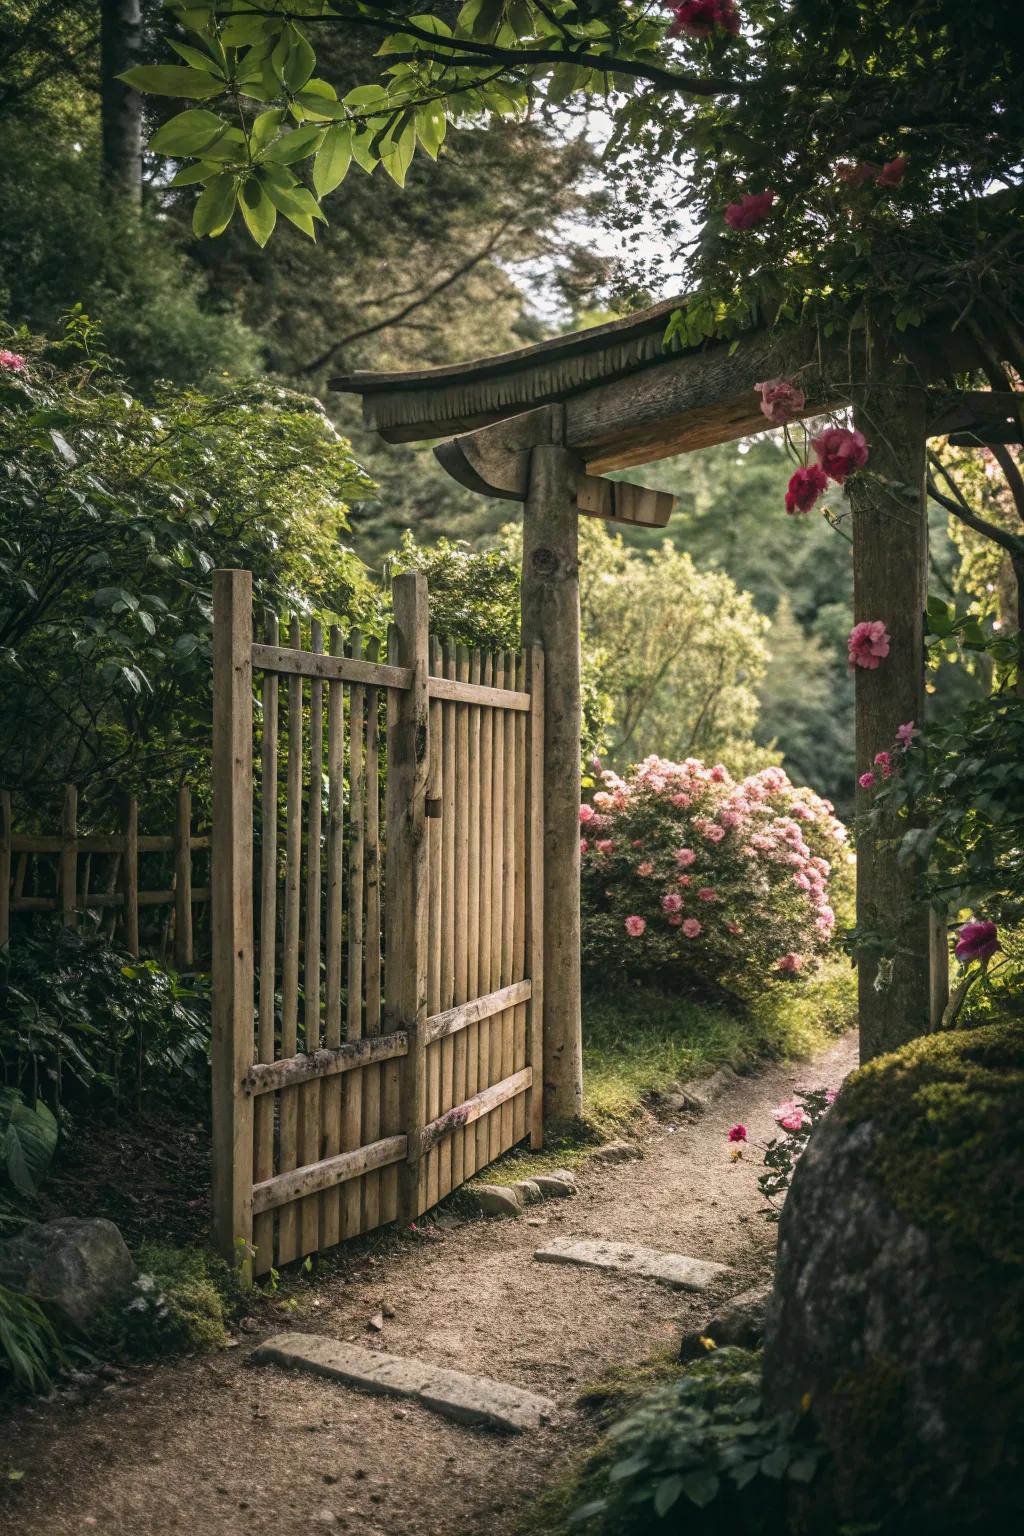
703	18
796	1119
708	880
752	209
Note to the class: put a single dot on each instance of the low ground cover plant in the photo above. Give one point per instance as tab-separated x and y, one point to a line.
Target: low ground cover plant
692	876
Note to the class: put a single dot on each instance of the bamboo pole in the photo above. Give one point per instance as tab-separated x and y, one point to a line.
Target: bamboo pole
352	1108
435	801
519	1055
288	1116
263	1113
371	952
310	1094
232	1042
330	1203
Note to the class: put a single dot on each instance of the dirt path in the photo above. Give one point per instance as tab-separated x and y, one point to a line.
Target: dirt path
214	1448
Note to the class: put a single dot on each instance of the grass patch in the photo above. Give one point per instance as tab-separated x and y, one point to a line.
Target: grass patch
639	1041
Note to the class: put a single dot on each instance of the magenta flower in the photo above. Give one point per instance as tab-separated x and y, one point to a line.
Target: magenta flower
702	18
671	901
12	361
636	926
584	845
738	1133
977	940
840	451
692	928
905	734
790	1116
685	857
789	964
781	400
752	209
587	815
674	920
804	488
866	780
604	845
884	761
868	643
892	172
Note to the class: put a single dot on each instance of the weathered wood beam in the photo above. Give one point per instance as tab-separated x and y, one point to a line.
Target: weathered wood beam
475	1108
972	418
325	1174
265	1077
440	1025
620	501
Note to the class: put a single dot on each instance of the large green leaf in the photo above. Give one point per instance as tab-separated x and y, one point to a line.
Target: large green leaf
300	63
214	207
258	211
188	133
333	159
173	80
29	1133
295	145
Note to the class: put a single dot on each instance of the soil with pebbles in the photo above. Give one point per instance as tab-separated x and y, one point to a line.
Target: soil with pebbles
214	1447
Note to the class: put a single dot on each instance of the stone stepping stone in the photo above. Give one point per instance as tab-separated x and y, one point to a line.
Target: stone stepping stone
455	1394
674	1269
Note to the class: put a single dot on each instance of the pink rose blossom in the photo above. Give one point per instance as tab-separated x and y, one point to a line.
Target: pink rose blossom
707	893
692	928
587	815
12	361
801	880
603	800
752	209
702	18
646	869
840	451
805	486
868	643
671	901
681	800
635	926
685	857
738	1133
977	940
790	964
719	774
604	845
790	1116
905	734
781	400
714	834
584	845
884	761
892	172
866	780
684	880
675	921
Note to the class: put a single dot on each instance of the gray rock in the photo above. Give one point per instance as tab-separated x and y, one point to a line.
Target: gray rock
557	1185
528	1191
700	1095
739	1321
497	1200
616	1152
72	1267
677	1270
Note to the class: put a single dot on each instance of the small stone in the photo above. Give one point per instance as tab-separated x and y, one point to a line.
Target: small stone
556	1185
528	1191
330	1478
327	1517
536	1221
376	1322
739	1321
497	1200
616	1152
388	1311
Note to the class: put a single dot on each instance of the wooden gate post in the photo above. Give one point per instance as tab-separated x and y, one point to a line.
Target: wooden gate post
232	916
405	960
551	614
899	993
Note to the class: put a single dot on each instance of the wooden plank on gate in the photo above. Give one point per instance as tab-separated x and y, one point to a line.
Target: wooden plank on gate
440	1025
352	1108
435	793
508	886
451	808
288	1112
371	949
406	947
343	669
232	1042
477	1108
328	1062
467	892
330	1202
486	850
495	1025
263	1113
494	697
304	1183
519	1126
309	1096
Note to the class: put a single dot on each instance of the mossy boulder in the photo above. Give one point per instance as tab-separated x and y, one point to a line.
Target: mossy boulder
898	1305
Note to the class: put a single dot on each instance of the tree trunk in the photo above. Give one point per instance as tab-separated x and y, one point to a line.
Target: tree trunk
551	614
902	986
120	107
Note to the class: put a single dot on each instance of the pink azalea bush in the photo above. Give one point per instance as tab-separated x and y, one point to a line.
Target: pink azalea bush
703	18
709	880
751	209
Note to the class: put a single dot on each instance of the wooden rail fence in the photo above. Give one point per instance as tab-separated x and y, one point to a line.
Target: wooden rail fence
377	968
62	872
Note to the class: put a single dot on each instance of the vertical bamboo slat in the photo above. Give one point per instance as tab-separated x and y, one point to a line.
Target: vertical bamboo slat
288	1126
6	833
535	892
330	1200
408	767
508	907
390	1071
131	874
434	883
453	819
183	879
232	1041
263	1110
521	818
483	945
467	962
69	857
371	954
352	1109
310	1093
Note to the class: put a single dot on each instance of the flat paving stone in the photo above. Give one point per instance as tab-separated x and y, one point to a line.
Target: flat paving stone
455	1394
674	1269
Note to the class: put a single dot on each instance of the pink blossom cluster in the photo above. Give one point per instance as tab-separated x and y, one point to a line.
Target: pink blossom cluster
839	451
724	867
751	209
858	174
868	644
12	361
781	400
703	18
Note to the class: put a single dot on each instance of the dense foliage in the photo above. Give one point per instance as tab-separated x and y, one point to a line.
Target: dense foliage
690	874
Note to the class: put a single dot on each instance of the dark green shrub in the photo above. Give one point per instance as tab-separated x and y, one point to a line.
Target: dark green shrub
29	1348
179	1303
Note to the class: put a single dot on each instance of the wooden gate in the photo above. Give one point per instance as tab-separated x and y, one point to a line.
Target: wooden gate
377	981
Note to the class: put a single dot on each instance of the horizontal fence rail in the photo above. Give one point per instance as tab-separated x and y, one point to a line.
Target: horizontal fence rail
376	922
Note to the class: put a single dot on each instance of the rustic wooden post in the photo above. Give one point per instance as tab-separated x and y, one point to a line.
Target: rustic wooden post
405	980
6	833
899	992
69	857
183	880
551	614
535	891
232	917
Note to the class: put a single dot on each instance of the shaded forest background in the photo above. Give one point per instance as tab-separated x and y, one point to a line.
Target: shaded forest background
495	247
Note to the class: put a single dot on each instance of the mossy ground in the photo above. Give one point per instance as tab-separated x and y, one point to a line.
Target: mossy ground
639	1042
